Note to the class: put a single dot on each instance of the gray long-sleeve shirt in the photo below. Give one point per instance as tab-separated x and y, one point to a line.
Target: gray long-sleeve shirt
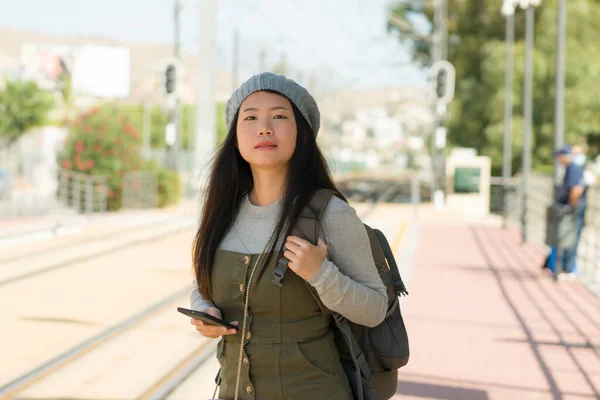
347	281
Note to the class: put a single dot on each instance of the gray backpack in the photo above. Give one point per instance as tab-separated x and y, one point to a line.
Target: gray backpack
371	357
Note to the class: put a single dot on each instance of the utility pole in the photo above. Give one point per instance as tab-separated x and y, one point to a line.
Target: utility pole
312	82
528	114
173	126
206	132
439	52
263	60
443	24
236	60
559	114
176	19
508	10
147	127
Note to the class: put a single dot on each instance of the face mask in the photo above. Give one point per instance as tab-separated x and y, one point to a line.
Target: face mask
579	159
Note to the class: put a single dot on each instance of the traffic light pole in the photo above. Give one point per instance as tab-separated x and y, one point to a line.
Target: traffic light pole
174	105
438	139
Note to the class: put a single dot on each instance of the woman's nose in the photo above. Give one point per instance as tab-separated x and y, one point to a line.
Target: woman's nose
265	129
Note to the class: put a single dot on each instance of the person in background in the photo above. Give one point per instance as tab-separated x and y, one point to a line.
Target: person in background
572	194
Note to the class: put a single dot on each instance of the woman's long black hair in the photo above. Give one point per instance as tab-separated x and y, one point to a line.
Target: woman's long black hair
231	179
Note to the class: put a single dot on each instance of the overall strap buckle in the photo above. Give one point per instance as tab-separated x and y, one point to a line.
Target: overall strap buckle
279	271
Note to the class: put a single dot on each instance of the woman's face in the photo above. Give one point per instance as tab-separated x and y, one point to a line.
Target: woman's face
266	130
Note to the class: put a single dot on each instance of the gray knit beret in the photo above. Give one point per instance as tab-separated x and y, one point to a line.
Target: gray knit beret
280	84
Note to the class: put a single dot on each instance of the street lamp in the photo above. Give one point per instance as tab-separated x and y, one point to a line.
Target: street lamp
559	114
529	6
508	10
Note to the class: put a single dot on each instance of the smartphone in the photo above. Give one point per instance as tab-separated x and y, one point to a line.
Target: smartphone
206	318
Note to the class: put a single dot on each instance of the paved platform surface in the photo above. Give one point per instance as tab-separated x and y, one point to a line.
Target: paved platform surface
485	322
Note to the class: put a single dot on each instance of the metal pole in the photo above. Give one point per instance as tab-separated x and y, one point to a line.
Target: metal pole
559	114
436	52
440	53
263	60
77	193
174	115
146	129
236	60
415	194
89	196
435	56
443	29
528	114
508	105
206	132
103	195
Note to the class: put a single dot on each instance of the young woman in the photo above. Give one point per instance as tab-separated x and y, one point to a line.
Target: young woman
262	178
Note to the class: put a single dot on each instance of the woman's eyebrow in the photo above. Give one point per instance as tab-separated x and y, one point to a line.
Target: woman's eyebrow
271	109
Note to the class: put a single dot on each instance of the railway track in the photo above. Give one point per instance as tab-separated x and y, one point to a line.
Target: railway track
93	352
36	264
50	248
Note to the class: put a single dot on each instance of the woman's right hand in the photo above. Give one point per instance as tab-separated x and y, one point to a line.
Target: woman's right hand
213	331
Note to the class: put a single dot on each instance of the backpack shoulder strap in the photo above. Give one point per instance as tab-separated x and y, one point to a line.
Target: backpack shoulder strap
309	222
399	287
307	226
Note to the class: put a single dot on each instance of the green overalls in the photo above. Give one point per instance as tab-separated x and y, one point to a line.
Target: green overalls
289	348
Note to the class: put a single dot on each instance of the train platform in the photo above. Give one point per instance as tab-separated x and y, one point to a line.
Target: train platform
484	321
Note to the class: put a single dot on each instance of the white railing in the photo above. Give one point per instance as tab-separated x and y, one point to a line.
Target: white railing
83	193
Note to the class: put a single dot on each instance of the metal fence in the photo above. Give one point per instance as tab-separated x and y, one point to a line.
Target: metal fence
83	193
533	227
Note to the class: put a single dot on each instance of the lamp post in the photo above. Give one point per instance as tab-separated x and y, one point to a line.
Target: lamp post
528	6
559	114
508	10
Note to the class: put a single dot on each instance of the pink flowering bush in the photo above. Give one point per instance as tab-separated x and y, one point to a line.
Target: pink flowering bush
103	143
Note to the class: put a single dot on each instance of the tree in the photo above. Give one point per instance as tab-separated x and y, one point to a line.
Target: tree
23	105
476	48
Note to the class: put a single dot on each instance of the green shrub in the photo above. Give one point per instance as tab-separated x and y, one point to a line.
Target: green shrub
169	184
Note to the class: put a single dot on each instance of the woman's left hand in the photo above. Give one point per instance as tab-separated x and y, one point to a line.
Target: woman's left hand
305	259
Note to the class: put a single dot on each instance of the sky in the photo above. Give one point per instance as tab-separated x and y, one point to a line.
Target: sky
339	42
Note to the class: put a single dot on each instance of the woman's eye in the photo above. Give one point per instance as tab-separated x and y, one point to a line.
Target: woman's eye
250	118
280	117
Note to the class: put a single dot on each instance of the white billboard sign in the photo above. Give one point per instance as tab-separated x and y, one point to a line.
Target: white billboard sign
97	71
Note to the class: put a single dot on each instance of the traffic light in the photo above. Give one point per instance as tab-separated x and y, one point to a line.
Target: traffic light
441	83
170	78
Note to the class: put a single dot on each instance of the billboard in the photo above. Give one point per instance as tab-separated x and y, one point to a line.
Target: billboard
97	71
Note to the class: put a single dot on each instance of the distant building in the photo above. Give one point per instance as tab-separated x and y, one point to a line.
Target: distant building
43	57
